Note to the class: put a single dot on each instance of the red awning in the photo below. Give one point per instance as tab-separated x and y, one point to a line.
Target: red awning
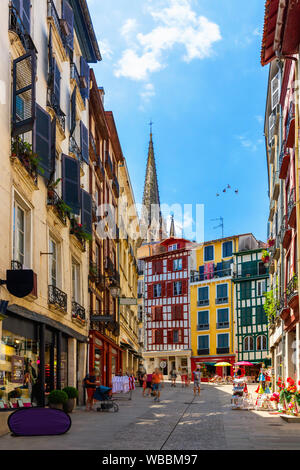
267	50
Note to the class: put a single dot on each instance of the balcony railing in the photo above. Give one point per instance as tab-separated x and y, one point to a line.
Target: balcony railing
203	352
258	271
218	273
203	326
59	24
57	298
292	289
291	203
55	105
202	303
23	151
60	206
16	25
222	325
221	300
223	350
78	312
75	149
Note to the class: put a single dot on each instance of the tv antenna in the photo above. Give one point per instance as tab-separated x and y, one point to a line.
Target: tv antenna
221	220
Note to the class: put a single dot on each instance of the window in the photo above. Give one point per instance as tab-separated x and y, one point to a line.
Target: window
261	343
203	342
76	281
245	290
261	317
53	263
248	343
222	291
157	290
21	233
178	312
158	336
261	288
223	341
203	320
223	318
208	253
203	296
246	316
177	288
173	247
177	264
175	336
157	313
140	288
227	249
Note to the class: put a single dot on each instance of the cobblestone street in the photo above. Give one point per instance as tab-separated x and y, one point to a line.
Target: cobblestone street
178	422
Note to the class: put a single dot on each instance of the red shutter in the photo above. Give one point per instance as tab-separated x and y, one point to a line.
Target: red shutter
170	289
150	291
160	313
170	336
178	312
184	287
184	262
180	336
163	289
153	313
170	264
160	266
153	336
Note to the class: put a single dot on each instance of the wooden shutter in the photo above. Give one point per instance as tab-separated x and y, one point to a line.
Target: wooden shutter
23	7
68	15
170	264
42	141
24	89
153	313
169	289
86	211
178	312
180	336
84	138
71	183
153	336
275	91
150	291
53	146
184	262
73	111
272	119
163	289
56	84
85	74
170	336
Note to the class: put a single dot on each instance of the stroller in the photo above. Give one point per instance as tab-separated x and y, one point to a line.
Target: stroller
106	401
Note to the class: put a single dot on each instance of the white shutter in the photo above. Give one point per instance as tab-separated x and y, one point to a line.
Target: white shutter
275	91
272	119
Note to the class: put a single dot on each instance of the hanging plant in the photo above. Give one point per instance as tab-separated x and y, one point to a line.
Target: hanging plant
271	304
271	242
265	256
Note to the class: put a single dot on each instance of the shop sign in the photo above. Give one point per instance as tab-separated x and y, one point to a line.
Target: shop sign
127	301
163	364
17	369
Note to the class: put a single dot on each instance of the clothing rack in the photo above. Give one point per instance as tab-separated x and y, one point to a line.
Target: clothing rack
123	386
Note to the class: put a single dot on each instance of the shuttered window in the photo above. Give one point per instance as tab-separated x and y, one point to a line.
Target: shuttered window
53	145
227	249
73	111
203	342
222	291
23	8
86	211
68	15
275	85
84	138
246	316
24	92
261	317
42	141
71	183
245	290
208	253
223	340
56	83
85	74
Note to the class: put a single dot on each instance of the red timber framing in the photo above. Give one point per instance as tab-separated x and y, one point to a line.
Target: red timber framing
167	298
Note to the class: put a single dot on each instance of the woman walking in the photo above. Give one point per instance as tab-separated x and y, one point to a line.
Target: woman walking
173	377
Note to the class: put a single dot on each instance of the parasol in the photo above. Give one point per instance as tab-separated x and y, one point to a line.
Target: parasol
244	363
223	364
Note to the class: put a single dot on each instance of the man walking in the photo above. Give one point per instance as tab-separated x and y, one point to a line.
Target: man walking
157	381
197	380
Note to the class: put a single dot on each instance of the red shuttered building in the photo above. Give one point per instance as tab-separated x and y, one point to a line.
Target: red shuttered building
167	307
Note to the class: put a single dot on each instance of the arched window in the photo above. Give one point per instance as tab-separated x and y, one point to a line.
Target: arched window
248	343
261	343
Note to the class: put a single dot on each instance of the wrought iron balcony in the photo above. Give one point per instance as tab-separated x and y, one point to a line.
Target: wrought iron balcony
203	326
223	350
59	23
75	149
203	352
78	312
292	290
79	79
105	317
60	206
222	325
291	209
203	302
285	232
23	151
221	300
16	26
57	298
53	103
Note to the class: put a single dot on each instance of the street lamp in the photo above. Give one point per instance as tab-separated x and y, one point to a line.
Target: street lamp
115	291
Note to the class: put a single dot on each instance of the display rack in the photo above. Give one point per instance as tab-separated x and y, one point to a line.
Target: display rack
241	399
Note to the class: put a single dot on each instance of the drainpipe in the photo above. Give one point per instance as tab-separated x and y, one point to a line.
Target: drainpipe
297	346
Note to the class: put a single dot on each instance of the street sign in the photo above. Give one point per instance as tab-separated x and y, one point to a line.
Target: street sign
163	364
127	301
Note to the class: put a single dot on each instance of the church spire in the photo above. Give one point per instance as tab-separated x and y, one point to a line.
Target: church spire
172	227
151	199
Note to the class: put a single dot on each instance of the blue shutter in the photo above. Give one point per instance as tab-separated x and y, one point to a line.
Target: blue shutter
24	88
84	138
53	146
23	8
42	141
56	84
86	211
73	111
85	74
68	15
71	183
201	273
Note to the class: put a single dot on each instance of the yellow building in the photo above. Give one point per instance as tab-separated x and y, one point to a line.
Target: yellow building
212	304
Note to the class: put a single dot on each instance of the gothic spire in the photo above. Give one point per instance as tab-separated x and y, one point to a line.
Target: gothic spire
172	227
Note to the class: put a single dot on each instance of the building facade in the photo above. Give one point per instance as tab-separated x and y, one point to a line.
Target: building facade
44	168
167	342
212	305
280	49
251	281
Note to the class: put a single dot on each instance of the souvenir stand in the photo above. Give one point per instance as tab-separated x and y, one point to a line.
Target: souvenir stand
241	399
123	386
264	401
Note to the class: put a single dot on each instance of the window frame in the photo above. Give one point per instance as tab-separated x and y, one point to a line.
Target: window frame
226	244
213	253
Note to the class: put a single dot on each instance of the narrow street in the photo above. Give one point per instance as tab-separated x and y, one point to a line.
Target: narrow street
178	422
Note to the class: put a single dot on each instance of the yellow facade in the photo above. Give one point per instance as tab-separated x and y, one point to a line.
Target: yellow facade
213	305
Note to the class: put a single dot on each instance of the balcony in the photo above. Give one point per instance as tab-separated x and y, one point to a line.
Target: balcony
275	249
251	273
284	161
94	154
276	186
22	151
282	308
285	233
78	79
100	169
113	275
203	352
290	127
17	29
108	165
202	303
116	187
218	273
57	298
222	325
59	27
61	208
291	209
221	300
292	292
78	231
55	106
78	312
223	350
203	326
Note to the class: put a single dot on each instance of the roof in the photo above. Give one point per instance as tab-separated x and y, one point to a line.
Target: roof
85	31
226	238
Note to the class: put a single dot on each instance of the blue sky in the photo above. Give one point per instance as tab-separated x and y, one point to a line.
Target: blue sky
193	67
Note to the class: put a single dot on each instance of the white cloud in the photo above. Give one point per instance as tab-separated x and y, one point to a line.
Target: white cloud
249	144
147	92
105	49
177	24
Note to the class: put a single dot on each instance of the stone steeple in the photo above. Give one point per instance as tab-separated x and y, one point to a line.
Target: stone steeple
151	213
172	227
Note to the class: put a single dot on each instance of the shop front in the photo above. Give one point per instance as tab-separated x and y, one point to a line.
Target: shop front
105	357
208	368
34	356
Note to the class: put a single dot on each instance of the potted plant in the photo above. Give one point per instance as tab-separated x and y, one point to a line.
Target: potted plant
52	186
265	257
57	399
72	394
23	150
271	242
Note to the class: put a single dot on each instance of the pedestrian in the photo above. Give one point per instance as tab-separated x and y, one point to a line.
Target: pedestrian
144	383
89	383
197	380
183	378
157	382
173	377
149	384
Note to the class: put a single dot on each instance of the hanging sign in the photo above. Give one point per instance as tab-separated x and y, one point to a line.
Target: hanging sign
127	301
17	369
